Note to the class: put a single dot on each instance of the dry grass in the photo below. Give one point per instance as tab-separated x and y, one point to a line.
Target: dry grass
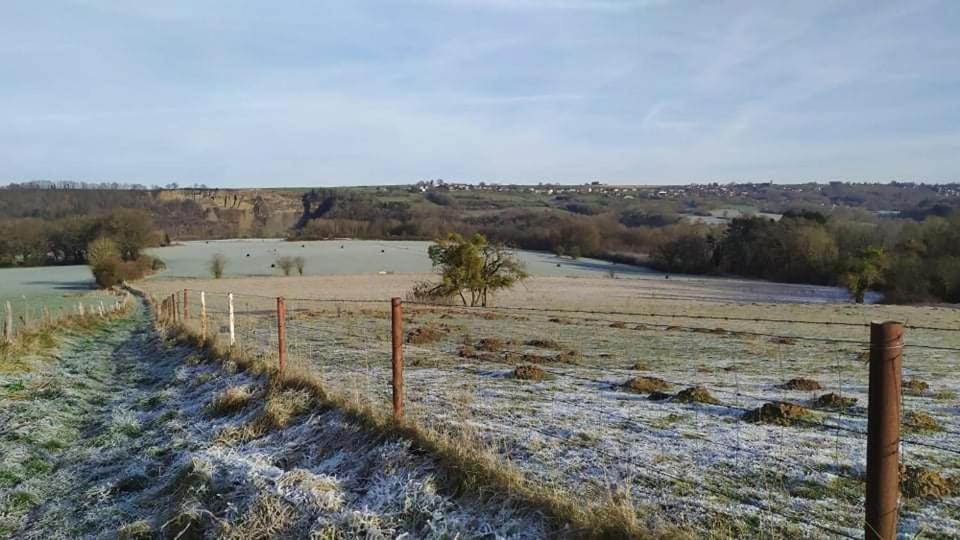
468	468
778	413
697	394
920	422
231	400
267	517
645	385
915	387
529	373
801	384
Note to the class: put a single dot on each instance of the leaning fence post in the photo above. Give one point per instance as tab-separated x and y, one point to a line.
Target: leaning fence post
281	334
8	324
396	314
186	306
203	315
233	336
883	430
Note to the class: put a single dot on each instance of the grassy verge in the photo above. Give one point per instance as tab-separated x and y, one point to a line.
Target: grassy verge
468	466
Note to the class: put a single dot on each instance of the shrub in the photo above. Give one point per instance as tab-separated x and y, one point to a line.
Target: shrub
286	265
217	265
300	263
102	250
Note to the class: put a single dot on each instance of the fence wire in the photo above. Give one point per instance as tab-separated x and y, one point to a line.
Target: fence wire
709	424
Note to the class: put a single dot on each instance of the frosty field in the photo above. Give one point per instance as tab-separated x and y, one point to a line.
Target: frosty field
680	456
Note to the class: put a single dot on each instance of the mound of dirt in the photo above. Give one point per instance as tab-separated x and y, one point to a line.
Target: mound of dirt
543	344
920	422
777	413
924	483
426	334
915	387
568	357
834	401
645	385
801	384
529	373
493	344
697	394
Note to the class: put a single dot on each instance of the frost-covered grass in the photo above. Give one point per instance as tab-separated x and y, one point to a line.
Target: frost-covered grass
140	451
698	465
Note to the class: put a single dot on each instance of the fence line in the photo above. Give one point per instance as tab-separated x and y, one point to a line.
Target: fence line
310	339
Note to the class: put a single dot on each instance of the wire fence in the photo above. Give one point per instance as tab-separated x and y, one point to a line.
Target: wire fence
26	314
729	425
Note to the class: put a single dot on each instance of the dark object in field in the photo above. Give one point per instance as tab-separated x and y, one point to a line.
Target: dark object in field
618	324
543	343
341	246
529	373
382	251
915	387
659	396
273	266
777	413
248	254
801	384
641	366
784	340
834	401
645	385
697	394
923	483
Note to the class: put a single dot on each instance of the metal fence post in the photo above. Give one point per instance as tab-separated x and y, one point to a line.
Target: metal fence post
883	430
233	335
186	306
396	313
281	334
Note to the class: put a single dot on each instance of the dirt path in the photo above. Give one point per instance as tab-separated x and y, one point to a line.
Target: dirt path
119	435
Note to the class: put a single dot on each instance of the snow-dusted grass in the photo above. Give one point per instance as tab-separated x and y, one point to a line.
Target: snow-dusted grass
697	465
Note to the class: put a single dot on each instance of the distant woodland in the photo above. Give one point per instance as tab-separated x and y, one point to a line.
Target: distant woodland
902	239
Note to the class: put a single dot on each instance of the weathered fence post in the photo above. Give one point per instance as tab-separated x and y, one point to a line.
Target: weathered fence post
186	306
203	315
396	315
883	430
175	303
281	334
233	335
8	324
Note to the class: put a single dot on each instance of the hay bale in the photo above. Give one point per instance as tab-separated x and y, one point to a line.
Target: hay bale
920	422
697	394
801	384
645	385
834	401
529	373
778	413
917	482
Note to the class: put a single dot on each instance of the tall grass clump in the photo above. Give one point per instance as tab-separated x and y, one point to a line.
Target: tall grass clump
218	263
285	264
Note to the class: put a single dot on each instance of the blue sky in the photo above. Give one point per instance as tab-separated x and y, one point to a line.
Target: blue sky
303	93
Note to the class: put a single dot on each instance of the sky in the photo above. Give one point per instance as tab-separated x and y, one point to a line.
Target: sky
311	93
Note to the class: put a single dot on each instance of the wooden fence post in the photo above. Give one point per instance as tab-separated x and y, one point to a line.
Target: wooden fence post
8	324
203	315
396	315
186	306
883	430
233	335
281	334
